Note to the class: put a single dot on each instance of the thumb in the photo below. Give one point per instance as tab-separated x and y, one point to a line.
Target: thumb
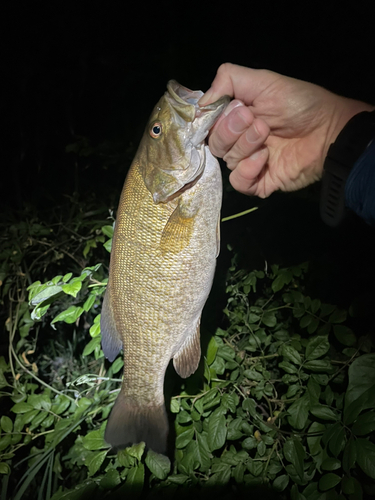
236	81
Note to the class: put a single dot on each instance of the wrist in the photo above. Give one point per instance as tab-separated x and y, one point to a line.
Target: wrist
342	155
344	110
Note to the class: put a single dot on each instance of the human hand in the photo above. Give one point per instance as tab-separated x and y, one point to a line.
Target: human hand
276	133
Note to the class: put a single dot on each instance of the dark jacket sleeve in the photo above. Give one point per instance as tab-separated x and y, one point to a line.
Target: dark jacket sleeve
360	186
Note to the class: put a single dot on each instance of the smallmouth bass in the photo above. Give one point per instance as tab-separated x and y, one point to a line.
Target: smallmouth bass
163	259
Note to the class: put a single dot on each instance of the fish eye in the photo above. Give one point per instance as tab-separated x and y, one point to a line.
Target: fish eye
156	129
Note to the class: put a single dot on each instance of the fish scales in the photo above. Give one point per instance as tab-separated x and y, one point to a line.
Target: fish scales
162	266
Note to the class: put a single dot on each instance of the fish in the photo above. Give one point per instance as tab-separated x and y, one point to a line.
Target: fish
165	244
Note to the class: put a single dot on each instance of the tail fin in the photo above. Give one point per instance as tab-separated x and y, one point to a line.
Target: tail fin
129	423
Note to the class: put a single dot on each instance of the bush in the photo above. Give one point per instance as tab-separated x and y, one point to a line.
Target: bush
285	400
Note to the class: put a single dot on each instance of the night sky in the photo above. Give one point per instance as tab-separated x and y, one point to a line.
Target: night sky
95	70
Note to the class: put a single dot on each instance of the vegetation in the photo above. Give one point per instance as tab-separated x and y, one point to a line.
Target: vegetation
284	400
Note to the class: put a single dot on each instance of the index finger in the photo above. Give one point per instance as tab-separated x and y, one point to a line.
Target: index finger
236	81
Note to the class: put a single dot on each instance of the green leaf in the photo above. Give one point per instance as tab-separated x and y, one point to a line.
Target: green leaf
313	326
67	277
281	482
364	424
108	231
175	406
249	443
254	467
305	321
261	447
316	347
94	440
348	486
110	480
295	453
184	438
217	431
45	294
61	403
117	365
335	437
108	245
338	316
21	408
319	365
72	288
134	483
331	464
5	442
4	468
29	416
329	481
350	455
230	402
288	367
344	335
40	401
219	478
159	465
360	394
238	473
70	315
298	412
284	277
95	461
6	424
211	351
323	412
89	302
313	391
125	460
136	450
366	456
202	452
253	375
250	406
95	329
290	353
314	437
91	346
38	420
269	319
39	312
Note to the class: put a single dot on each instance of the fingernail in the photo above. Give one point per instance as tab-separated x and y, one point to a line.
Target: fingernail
238	122
252	134
231	106
205	99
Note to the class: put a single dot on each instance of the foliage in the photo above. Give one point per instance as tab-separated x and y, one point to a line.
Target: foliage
285	401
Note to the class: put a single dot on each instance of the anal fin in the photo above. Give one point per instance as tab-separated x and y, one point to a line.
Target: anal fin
186	360
111	340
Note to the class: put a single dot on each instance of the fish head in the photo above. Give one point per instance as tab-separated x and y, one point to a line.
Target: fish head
172	152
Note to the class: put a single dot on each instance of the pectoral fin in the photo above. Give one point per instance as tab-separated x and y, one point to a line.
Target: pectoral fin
111	340
177	232
187	359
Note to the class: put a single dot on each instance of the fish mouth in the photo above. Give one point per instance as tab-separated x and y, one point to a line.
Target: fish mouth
202	118
184	149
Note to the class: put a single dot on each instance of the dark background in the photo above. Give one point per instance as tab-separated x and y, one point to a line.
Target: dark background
95	70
